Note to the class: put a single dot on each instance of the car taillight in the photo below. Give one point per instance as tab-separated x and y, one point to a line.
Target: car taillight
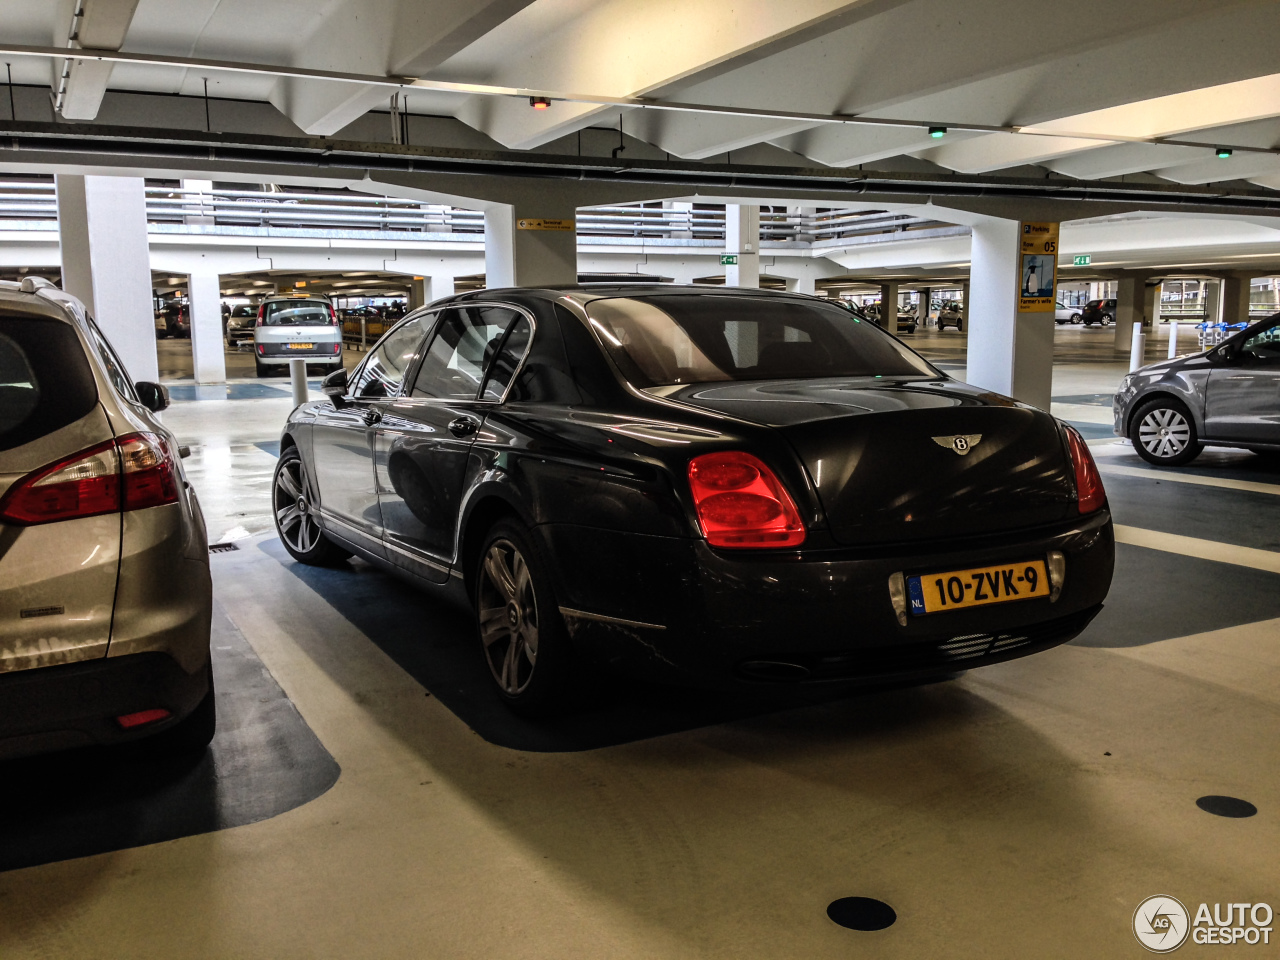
262	350
741	504
261	308
128	721
128	473
337	347
1089	492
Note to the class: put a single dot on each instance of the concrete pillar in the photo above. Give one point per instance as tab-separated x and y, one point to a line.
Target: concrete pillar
964	305
804	285
106	263
922	310
442	286
1212	301
1235	299
419	292
1008	352
1129	305
889	306
1151	304
680	211
207	353
531	244
742	238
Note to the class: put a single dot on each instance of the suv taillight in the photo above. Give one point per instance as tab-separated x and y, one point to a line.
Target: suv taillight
741	504
1089	492
128	473
261	309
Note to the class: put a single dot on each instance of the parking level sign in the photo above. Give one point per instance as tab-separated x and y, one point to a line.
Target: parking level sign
1038	267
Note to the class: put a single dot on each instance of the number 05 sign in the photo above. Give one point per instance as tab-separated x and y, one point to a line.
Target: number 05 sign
1038	267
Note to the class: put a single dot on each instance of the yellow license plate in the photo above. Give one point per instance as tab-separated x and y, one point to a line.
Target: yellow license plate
977	587
302	346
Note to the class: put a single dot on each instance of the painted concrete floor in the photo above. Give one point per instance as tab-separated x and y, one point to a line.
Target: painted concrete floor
1023	810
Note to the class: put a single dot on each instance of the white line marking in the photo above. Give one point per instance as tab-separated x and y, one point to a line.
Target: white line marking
1254	486
1201	549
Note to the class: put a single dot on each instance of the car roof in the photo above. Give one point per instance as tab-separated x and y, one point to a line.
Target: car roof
13	297
584	292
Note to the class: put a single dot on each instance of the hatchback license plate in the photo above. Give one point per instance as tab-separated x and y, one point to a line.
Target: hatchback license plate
977	587
302	346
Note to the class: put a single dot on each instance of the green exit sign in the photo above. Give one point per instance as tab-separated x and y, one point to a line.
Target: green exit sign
728	259
1083	260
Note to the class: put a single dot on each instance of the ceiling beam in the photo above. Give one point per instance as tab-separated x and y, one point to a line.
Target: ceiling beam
96	24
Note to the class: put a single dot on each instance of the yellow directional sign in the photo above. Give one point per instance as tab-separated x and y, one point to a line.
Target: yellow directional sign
528	224
1037	267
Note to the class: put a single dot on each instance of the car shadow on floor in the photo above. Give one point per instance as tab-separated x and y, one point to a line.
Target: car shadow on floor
434	642
264	761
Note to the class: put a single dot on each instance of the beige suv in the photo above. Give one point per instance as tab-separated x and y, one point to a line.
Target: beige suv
105	595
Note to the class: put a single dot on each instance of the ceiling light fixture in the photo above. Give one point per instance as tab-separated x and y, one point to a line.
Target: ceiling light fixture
937	132
539	103
1223	152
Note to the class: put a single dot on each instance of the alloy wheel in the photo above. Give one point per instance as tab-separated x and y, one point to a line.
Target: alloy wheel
1164	433
508	617
294	520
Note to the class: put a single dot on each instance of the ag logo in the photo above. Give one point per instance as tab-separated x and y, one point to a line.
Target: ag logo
1161	924
961	443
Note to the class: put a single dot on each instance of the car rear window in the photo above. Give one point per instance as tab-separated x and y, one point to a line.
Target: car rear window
666	340
296	313
45	379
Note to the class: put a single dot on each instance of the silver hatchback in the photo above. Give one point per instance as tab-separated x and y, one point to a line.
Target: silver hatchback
105	596
297	328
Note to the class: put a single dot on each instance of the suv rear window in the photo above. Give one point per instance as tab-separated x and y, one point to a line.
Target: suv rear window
45	379
296	313
667	340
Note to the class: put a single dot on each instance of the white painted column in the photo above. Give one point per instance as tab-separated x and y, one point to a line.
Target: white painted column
199	210
742	238
1008	352
964	305
419	292
805	284
522	247
102	224
922	311
441	285
207	353
1213	301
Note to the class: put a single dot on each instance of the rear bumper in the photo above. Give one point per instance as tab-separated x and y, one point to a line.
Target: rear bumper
75	704
679	610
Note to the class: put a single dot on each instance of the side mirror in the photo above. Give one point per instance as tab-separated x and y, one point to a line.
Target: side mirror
334	386
154	396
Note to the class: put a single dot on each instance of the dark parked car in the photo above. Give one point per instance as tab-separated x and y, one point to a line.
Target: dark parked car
1099	312
719	487
1229	396
177	318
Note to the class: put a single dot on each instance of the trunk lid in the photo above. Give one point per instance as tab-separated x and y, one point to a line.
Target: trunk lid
886	464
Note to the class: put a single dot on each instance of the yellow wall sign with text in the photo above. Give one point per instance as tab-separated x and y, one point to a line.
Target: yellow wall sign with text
1037	267
527	224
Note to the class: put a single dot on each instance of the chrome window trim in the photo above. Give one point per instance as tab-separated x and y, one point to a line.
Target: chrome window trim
619	621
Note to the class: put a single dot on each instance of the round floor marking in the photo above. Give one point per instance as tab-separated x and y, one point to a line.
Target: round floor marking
861	913
1226	806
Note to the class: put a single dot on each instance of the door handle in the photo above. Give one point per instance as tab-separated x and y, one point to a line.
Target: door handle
372	417
463	427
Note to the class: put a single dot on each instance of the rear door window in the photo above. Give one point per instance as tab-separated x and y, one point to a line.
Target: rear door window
296	313
46	382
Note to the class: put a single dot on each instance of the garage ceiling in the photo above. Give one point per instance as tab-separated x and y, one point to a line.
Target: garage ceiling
1090	89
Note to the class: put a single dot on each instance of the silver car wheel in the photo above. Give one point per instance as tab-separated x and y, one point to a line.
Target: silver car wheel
1164	433
508	617
294	521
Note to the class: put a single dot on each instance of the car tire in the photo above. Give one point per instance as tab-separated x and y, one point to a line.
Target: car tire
1075	318
1163	433
1107	318
521	634
296	525
262	369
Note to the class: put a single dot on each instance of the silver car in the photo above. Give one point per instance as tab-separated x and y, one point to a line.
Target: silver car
105	596
1228	396
297	328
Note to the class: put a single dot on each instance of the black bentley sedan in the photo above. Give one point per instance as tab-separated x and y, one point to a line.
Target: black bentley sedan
708	485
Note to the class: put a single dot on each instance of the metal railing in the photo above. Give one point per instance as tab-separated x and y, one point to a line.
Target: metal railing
206	211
